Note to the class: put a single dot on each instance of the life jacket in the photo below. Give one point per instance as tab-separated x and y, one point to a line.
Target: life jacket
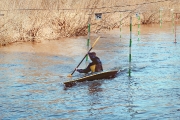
92	67
96	65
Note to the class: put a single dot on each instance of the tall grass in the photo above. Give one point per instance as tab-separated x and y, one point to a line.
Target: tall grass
37	20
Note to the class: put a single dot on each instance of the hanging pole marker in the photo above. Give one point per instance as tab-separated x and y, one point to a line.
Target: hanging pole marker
120	27
139	22
139	27
172	20
175	28
130	44
98	16
160	17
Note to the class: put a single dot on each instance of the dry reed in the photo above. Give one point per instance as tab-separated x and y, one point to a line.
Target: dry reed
38	20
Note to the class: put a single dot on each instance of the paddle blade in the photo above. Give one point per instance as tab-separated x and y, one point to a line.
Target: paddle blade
69	75
95	41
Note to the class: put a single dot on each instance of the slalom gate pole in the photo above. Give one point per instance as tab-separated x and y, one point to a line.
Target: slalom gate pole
139	22
120	27
130	43
88	40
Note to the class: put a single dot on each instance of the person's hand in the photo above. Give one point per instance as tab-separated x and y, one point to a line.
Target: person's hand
79	70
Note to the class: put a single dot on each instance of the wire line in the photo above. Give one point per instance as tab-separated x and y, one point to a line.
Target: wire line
66	9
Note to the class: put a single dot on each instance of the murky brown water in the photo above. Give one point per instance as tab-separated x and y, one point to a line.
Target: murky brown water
31	77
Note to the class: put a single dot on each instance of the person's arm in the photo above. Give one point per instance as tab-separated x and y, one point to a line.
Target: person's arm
84	70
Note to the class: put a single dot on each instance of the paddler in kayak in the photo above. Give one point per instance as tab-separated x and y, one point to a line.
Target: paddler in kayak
94	66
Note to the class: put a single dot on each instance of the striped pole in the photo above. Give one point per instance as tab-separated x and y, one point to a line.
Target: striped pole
120	27
130	43
88	40
139	22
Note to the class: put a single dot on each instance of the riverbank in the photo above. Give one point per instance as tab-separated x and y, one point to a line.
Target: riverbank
53	20
74	44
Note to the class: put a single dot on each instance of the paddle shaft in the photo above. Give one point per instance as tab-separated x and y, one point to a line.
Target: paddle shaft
81	62
85	55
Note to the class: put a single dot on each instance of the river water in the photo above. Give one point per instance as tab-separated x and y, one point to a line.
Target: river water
31	77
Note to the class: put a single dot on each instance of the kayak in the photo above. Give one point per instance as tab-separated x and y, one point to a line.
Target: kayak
95	76
91	77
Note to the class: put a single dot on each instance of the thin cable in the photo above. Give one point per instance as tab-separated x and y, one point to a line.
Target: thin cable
92	8
131	5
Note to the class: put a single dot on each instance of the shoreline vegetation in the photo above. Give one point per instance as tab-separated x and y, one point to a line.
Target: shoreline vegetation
38	20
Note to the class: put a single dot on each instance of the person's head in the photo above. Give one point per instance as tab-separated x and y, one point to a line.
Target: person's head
92	55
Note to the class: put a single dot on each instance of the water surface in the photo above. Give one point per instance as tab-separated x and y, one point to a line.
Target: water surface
31	77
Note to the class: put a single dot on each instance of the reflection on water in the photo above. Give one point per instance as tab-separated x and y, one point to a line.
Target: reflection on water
31	77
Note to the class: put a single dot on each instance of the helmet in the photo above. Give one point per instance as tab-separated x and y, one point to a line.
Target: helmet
92	54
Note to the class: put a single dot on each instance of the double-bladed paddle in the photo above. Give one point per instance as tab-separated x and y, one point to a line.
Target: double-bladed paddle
70	75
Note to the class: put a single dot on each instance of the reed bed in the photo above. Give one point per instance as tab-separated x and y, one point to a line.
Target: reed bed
37	20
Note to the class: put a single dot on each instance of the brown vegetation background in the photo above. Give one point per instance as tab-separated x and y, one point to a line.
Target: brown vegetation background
37	20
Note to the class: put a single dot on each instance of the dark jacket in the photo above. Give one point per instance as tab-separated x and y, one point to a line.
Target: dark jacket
97	66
